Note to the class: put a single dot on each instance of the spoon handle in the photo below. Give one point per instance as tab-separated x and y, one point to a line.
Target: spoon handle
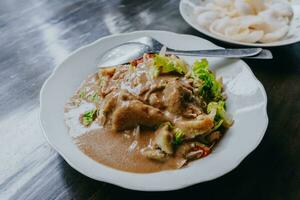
264	54
225	53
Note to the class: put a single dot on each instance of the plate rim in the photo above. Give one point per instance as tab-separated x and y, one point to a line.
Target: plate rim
228	41
134	186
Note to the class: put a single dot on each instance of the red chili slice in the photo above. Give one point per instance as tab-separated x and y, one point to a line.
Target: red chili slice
206	151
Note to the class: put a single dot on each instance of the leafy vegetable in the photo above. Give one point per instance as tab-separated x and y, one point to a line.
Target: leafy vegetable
221	117
89	116
167	64
101	81
82	94
218	124
178	136
211	88
94	98
154	71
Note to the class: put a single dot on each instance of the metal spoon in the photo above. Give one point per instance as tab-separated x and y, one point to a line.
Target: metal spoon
134	49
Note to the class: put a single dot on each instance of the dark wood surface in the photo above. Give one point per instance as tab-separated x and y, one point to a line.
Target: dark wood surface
36	35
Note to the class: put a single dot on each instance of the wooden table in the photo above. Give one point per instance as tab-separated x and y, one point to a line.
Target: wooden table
36	35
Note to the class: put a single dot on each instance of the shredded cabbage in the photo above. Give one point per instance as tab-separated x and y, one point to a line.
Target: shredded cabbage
167	64
211	88
178	135
89	116
220	117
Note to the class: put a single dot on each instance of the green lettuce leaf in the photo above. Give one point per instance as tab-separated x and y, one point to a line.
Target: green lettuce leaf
211	89
178	136
167	64
220	115
89	116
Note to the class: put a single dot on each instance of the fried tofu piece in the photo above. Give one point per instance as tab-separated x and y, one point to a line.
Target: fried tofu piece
130	114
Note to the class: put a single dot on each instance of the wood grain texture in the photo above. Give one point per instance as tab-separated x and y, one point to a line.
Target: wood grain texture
36	35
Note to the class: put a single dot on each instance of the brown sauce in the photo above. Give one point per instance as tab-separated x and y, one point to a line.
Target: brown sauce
105	115
115	150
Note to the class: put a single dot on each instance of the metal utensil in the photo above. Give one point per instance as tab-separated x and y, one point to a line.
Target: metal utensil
134	49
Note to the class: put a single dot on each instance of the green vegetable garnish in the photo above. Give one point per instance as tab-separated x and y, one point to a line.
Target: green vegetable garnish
101	81
167	64
82	94
154	71
218	123
211	89
178	136
221	117
88	117
94	98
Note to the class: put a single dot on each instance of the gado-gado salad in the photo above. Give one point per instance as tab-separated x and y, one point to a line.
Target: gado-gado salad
155	113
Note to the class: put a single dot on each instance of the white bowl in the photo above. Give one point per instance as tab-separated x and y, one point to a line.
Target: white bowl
246	103
293	36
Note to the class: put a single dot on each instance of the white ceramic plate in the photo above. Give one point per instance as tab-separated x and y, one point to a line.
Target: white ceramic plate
293	36
247	104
